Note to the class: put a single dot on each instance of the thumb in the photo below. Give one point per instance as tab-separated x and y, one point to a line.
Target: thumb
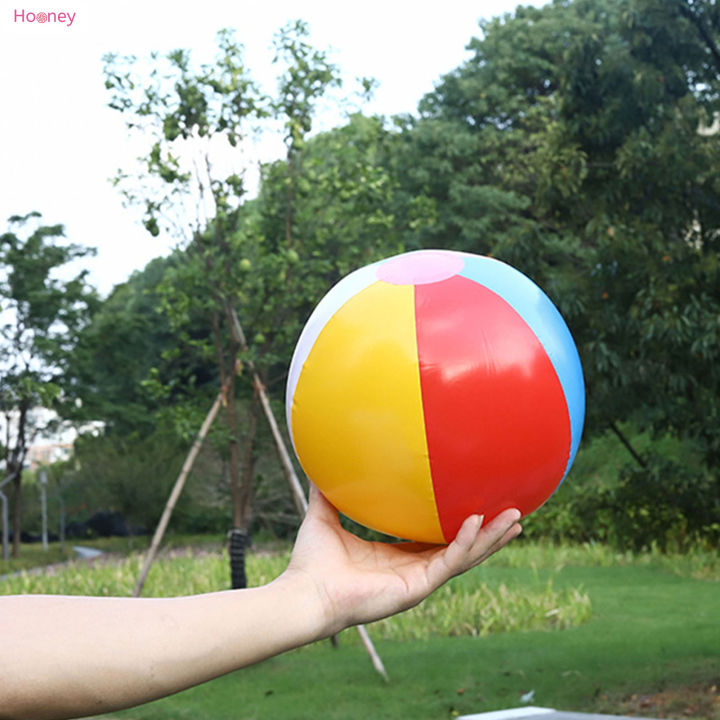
319	507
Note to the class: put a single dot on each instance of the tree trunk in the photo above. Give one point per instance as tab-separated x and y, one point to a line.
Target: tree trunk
239	542
240	538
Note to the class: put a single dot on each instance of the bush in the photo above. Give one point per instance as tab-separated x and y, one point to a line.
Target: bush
663	503
671	501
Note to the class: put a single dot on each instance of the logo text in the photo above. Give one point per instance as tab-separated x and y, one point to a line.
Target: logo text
66	18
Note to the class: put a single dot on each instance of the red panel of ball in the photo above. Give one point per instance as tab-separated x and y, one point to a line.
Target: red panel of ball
496	419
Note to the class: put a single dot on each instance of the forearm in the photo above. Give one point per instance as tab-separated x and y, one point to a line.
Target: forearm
63	657
69	656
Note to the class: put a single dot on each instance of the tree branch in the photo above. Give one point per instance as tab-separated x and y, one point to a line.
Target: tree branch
687	12
627	445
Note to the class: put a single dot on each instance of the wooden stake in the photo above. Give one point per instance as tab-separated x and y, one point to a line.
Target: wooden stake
298	493
372	652
175	493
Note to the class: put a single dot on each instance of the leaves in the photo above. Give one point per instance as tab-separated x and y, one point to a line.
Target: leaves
41	317
42	312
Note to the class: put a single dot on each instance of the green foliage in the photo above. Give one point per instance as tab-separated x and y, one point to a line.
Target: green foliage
670	501
195	117
42	313
126	352
135	472
569	146
662	503
177	104
456	610
41	317
307	77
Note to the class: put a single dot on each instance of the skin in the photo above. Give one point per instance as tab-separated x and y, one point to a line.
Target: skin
63	657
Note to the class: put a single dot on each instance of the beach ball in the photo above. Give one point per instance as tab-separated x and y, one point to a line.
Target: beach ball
433	385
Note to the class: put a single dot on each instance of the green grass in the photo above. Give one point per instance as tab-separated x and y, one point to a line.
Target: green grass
650	629
32	555
462	607
654	624
479	610
699	562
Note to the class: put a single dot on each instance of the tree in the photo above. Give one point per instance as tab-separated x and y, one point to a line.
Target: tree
190	114
575	145
41	317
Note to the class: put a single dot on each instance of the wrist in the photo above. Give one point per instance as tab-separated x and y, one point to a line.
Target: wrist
309	605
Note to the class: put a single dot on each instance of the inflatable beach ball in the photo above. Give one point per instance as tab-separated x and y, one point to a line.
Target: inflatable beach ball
433	385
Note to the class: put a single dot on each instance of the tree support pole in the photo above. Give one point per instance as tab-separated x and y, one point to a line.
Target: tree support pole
175	493
298	493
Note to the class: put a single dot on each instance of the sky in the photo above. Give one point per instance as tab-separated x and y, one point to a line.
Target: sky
60	143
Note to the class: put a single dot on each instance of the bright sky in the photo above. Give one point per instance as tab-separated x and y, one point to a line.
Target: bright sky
59	143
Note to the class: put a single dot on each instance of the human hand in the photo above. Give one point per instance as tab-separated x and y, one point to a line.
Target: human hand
359	581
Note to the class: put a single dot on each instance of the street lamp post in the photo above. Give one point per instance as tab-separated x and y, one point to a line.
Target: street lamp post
43	505
5	519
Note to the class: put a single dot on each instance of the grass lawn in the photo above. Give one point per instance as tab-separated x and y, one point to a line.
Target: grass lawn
651	631
32	555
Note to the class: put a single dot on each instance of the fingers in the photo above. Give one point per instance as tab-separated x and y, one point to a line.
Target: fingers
468	532
475	542
511	533
473	536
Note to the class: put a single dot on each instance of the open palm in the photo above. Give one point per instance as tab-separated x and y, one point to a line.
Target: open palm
361	581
